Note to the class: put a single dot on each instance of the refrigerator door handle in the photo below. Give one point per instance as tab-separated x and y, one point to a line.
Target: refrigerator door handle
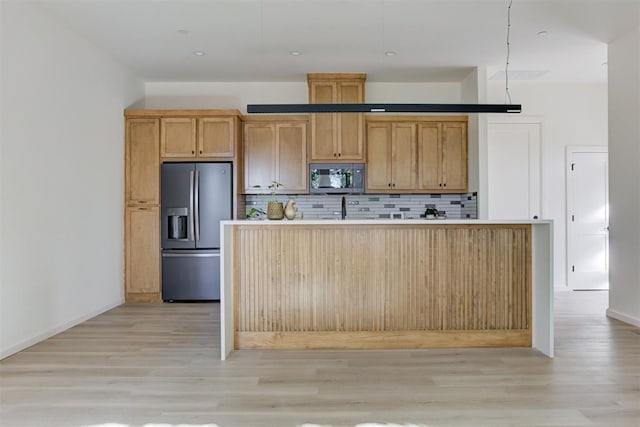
196	210
191	206
189	255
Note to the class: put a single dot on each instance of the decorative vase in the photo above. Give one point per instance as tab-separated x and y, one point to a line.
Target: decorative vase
290	209
275	210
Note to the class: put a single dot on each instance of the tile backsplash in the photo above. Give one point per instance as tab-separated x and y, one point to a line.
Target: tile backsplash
373	206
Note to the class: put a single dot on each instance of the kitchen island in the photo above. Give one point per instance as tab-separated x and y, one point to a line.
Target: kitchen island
357	284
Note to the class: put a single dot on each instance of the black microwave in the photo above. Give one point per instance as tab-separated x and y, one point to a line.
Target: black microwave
336	178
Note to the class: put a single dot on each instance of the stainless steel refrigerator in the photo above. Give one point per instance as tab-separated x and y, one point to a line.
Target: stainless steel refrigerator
195	198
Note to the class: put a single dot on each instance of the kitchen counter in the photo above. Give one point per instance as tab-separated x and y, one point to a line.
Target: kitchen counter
386	284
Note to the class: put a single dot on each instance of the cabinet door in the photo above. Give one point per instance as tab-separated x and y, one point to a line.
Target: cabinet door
454	157
291	157
142	246
350	125
216	137
429	157
178	137
142	161
403	156
378	173
259	157
324	133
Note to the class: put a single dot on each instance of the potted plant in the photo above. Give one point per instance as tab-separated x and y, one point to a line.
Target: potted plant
255	213
275	210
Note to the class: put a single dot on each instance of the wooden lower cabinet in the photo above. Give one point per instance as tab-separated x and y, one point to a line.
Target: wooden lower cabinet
142	254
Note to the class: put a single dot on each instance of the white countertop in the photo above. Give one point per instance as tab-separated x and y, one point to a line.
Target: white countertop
285	222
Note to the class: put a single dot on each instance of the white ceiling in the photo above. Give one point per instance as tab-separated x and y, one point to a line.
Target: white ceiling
435	40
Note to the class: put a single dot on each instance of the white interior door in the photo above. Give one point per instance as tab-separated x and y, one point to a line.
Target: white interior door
513	170
588	218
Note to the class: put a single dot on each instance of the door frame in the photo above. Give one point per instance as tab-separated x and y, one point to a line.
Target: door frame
570	150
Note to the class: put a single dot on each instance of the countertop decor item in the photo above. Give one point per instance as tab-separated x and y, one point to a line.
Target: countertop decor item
290	209
430	213
255	213
275	210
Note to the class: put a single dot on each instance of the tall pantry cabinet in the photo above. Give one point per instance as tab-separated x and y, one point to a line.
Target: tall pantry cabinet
142	210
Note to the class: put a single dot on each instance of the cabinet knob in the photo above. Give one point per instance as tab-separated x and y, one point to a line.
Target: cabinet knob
339	154
393	185
193	151
200	151
389	185
445	185
335	155
440	185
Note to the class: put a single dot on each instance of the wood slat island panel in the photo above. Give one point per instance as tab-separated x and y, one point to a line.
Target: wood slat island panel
382	286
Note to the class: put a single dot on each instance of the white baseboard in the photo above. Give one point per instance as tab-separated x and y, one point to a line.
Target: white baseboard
54	331
623	317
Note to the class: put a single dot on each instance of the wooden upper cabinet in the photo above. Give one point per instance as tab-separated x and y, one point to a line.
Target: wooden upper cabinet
291	157
454	157
189	137
429	157
351	125
216	137
259	156
275	151
178	137
378	172
337	136
142	161
391	156
403	156
442	157
416	154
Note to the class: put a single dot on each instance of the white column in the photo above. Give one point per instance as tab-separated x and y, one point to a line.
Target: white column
624	177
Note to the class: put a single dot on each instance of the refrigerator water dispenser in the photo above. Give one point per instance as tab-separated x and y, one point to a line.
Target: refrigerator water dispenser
177	223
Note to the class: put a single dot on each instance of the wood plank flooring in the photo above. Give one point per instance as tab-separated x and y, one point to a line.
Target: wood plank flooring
143	365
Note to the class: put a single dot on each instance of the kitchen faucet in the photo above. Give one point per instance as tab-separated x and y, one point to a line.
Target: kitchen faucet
344	207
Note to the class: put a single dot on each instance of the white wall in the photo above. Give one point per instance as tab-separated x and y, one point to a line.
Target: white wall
61	176
624	178
237	95
573	114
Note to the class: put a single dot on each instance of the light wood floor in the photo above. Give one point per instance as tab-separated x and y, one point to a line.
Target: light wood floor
159	364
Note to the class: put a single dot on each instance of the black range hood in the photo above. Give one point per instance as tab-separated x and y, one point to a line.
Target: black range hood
383	108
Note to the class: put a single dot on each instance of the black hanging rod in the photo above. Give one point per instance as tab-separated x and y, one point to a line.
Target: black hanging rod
383	108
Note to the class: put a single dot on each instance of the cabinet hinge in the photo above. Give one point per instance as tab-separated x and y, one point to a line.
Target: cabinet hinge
573	218
572	165
573	268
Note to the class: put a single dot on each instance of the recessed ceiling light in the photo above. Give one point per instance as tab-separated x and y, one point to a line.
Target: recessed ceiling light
295	53
199	53
391	53
543	33
183	32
